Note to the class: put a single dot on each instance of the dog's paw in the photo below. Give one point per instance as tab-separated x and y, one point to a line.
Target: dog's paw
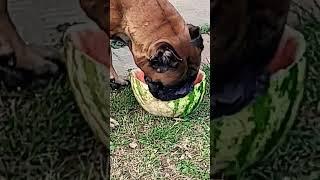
117	83
28	65
46	52
113	123
40	61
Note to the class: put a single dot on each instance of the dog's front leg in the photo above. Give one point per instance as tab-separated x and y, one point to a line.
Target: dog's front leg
16	55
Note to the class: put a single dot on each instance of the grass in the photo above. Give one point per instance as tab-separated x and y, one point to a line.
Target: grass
43	136
187	168
205	28
167	148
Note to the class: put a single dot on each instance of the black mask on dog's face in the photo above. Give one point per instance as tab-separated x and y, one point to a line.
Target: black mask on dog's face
172	77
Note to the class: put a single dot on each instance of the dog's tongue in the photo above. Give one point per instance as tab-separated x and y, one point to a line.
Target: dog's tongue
93	43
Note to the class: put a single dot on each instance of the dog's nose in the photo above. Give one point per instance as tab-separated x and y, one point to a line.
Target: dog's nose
168	93
153	88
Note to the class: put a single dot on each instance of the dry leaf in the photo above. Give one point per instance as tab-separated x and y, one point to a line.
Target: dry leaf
133	145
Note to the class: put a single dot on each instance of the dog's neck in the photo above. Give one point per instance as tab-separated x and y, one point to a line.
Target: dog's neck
162	24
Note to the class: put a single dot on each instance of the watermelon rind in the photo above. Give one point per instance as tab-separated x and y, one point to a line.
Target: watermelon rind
175	108
241	139
90	84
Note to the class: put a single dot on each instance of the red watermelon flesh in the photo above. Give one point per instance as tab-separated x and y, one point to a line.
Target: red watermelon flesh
284	56
93	43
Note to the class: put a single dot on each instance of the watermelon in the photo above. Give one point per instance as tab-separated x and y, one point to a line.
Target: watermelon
241	139
175	108
90	83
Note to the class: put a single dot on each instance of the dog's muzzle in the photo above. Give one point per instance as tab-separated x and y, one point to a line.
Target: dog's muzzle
169	93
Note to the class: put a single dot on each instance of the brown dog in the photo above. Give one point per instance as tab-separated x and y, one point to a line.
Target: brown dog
164	47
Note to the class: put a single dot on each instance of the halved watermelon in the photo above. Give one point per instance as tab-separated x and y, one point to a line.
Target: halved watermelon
252	134
85	62
175	108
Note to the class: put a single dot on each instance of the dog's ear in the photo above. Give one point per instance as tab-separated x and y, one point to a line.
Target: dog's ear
194	31
195	35
164	58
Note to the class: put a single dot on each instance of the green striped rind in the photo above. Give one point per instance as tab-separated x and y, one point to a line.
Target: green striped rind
253	133
89	82
176	108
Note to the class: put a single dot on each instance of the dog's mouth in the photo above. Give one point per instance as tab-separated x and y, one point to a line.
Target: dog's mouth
163	93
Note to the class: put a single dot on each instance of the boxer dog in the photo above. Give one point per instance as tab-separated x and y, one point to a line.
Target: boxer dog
164	47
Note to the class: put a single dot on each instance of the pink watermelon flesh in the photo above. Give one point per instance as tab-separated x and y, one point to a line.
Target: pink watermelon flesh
94	44
284	56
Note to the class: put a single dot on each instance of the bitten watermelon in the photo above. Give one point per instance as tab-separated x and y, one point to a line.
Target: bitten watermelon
175	108
89	82
241	139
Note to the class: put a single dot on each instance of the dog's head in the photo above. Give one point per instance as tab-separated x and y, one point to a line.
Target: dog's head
170	75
